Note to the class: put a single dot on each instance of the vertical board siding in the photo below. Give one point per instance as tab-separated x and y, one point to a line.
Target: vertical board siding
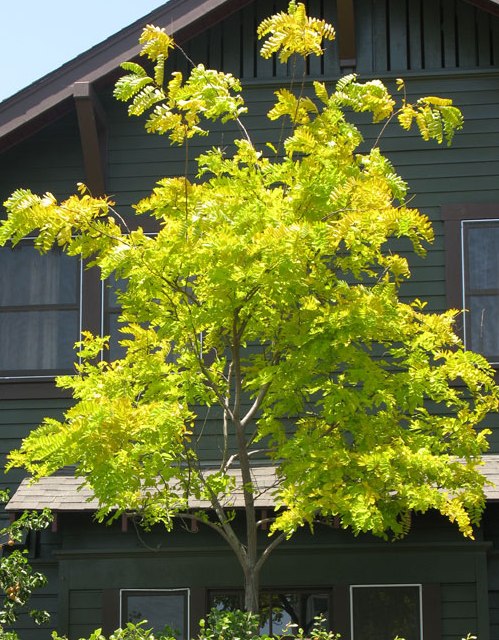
51	160
413	35
449	60
232	45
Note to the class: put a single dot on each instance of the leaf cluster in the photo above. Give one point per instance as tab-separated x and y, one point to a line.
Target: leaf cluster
17	578
271	294
178	108
293	32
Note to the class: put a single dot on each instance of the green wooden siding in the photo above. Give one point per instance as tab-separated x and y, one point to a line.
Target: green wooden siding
50	160
85	606
96	559
416	35
434	44
17	419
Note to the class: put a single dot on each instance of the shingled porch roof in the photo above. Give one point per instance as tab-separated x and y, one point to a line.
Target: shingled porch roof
66	493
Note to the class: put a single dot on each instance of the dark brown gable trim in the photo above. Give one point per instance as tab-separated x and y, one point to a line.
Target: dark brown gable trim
491	6
93	134
183	18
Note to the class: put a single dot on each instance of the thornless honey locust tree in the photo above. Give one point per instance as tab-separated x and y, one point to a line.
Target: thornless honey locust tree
286	247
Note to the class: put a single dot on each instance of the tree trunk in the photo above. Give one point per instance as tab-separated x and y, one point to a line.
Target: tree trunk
251	589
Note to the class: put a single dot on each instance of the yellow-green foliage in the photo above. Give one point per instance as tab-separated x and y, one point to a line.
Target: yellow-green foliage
294	32
292	253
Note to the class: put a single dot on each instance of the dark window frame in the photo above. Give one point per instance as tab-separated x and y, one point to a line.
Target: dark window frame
453	216
184	591
92	311
40	375
418	586
340	604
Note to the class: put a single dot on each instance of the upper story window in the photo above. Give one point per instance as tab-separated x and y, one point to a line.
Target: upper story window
40	319
110	319
480	254
472	274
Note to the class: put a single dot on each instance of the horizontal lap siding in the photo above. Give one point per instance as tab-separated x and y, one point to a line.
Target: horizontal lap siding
459	610
85	612
439	175
44	599
51	160
494	614
433	553
17	419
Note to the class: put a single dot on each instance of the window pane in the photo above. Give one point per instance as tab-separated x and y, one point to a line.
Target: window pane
28	278
116	351
226	601
483	334
300	609
481	282
164	611
39	311
381	612
277	610
37	340
483	256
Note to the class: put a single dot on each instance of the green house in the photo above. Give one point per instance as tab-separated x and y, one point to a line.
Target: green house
67	128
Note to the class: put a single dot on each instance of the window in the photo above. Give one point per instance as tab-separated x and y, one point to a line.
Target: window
385	611
356	612
280	608
166	610
39	312
480	251
110	315
472	274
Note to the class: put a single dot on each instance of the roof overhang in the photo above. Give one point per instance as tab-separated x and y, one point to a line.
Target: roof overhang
64	493
48	98
491	6
67	493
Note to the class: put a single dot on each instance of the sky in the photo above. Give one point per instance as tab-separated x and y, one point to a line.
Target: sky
38	36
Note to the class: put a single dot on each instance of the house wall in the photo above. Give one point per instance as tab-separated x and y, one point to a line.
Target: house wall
96	561
441	47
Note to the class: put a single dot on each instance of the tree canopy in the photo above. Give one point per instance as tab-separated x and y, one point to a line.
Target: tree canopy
271	291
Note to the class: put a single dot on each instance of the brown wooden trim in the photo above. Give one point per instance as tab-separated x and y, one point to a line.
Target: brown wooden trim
346	33
93	136
458	212
198	608
432	612
490	6
340	609
452	216
184	18
110	610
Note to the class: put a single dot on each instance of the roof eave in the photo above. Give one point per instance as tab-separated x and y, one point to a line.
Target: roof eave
182	18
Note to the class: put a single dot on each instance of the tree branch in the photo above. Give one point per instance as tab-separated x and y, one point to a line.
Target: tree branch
256	405
268	550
